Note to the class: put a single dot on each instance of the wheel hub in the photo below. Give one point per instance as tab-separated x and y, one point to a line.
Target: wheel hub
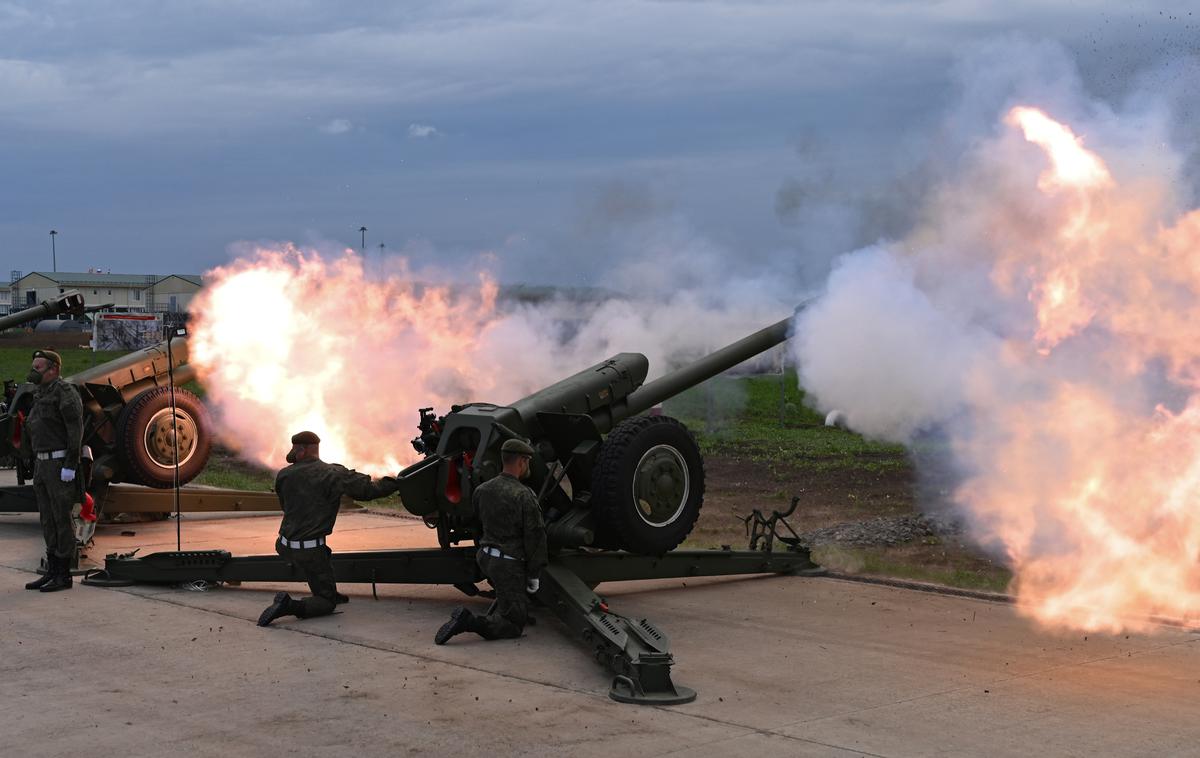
661	485
163	438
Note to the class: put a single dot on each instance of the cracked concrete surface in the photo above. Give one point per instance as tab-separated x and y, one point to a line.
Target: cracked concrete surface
786	666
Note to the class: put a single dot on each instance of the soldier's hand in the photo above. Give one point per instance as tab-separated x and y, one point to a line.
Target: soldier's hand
532	585
67	475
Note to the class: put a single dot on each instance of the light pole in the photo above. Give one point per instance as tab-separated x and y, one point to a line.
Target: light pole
363	231
53	250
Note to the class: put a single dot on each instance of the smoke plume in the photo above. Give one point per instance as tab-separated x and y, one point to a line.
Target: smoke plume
1044	315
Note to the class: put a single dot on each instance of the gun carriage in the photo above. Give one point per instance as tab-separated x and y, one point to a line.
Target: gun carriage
620	489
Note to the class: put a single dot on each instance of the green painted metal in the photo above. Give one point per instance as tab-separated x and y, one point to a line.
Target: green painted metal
565	422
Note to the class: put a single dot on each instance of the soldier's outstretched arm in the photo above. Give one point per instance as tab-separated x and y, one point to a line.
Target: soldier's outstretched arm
71	408
362	487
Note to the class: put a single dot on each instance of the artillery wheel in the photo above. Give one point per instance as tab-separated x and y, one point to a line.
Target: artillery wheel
648	485
146	437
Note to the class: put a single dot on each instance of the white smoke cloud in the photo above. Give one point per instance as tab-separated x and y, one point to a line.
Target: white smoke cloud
422	131
337	126
1042	315
878	349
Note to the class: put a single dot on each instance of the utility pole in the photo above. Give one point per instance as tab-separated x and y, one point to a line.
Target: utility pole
363	231
53	250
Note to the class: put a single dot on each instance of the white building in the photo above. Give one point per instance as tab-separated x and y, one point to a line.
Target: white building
123	293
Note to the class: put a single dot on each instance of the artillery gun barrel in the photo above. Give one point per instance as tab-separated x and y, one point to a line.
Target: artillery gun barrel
68	302
131	374
653	393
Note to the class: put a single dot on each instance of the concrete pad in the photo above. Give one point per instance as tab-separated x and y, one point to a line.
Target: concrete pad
789	666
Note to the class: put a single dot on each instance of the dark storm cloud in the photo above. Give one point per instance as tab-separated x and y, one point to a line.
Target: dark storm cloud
145	130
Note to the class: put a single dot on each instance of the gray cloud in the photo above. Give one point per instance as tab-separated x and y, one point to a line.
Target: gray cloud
209	122
337	126
422	131
130	67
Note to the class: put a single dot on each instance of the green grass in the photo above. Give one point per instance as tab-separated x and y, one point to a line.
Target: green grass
14	361
964	570
755	418
233	475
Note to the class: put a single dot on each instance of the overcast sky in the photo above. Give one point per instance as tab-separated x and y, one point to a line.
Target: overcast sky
155	135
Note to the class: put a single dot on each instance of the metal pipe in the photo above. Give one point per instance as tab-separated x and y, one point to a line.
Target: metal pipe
649	395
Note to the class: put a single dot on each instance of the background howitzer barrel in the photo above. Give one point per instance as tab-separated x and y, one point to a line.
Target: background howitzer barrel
68	302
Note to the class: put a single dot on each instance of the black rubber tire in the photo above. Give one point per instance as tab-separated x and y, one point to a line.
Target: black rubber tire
619	520
138	465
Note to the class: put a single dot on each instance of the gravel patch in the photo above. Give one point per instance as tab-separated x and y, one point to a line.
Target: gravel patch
882	531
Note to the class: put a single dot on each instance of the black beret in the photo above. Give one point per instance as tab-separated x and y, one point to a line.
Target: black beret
305	438
518	446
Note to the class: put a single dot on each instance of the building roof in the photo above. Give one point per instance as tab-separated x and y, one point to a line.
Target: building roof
195	279
110	280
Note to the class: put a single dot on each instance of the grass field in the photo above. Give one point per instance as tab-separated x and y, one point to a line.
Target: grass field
762	445
764	418
14	361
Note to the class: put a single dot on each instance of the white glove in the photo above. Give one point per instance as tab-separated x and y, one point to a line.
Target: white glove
531	586
67	475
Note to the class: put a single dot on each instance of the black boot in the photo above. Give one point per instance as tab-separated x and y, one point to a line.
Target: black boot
282	606
44	579
461	620
61	579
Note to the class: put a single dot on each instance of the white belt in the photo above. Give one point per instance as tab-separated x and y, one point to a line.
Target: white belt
302	544
495	553
54	454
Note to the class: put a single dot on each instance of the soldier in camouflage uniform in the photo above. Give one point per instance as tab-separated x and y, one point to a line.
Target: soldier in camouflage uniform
54	433
310	492
512	549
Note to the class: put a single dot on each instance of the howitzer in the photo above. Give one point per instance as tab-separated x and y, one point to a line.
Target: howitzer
68	302
639	489
606	477
129	424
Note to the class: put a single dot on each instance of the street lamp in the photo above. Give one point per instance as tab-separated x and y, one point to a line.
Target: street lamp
363	231
53	250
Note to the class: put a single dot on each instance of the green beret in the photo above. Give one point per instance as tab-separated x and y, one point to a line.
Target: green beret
305	438
49	355
518	446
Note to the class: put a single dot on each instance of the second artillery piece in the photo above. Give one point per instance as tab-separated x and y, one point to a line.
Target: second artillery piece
619	491
131	427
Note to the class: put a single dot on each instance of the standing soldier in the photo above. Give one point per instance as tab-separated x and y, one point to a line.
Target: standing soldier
512	549
310	493
55	434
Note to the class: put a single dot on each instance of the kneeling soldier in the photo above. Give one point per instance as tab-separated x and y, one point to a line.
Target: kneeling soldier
310	494
512	549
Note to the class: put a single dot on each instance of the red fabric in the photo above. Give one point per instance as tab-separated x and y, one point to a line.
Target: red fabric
16	438
88	511
453	487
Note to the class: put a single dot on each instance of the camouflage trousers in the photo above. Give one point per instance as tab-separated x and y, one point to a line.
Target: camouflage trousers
314	565
508	614
55	500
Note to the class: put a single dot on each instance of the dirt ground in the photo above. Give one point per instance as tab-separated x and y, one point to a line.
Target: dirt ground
734	487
